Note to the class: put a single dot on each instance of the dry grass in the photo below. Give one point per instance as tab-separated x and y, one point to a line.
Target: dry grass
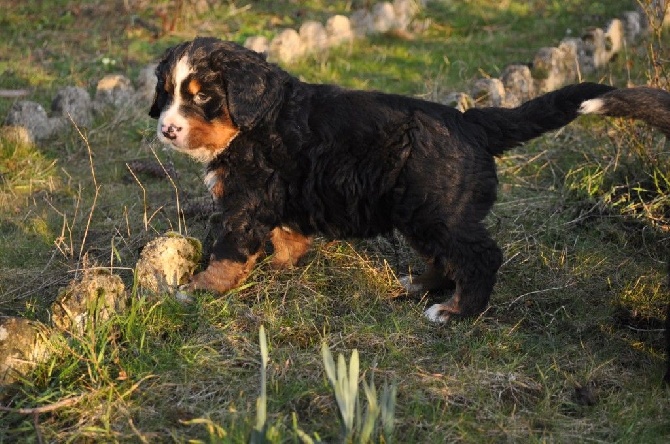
570	350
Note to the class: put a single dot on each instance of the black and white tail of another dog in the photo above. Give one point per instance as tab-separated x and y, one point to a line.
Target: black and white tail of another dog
651	105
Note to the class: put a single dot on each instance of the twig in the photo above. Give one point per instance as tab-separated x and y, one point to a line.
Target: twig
176	193
45	408
13	93
96	186
544	290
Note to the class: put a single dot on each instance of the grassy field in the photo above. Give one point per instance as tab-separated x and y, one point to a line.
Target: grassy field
570	350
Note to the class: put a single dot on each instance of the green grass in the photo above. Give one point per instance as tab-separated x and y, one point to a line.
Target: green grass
570	350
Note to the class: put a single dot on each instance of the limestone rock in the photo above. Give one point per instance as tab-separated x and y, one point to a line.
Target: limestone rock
23	345
554	67
114	90
286	47
167	262
488	92
405	11
595	48
314	36
384	17
95	298
632	22
518	83
362	23
34	118
339	30
146	83
458	100
258	43
74	102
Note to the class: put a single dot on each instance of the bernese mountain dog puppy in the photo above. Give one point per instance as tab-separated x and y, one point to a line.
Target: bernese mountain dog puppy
287	160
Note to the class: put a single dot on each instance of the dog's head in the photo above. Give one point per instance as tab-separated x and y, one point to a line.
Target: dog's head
208	91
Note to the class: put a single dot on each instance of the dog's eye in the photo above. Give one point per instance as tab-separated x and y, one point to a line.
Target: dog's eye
201	98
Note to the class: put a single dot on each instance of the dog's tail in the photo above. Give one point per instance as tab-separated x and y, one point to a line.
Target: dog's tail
649	104
506	128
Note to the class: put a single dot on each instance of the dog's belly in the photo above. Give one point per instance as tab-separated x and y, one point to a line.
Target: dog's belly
339	218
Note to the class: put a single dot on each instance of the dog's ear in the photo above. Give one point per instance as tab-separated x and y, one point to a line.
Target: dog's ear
160	95
162	71
253	86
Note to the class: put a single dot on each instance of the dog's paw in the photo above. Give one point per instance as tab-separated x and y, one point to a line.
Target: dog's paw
184	295
438	313
409	285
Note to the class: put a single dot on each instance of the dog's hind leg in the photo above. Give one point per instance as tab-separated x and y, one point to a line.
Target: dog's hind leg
471	258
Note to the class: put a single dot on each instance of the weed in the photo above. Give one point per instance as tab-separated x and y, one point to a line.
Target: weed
570	349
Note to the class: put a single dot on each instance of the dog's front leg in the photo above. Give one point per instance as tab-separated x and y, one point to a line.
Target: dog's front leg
222	275
234	255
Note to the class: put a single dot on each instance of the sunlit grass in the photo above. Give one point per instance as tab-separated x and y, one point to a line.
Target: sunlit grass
570	349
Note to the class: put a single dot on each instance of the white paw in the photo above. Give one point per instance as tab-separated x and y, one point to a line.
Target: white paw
410	287
435	314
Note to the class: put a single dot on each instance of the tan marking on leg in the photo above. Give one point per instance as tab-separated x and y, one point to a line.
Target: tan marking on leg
223	275
289	247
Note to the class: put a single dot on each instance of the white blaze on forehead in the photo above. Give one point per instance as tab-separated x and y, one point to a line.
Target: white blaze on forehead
171	115
181	71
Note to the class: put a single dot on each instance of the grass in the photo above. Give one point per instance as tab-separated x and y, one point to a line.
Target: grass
570	350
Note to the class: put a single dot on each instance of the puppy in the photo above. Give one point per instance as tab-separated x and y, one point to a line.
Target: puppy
287	160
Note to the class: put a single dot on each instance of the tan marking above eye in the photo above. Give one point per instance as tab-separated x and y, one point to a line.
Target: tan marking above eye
193	87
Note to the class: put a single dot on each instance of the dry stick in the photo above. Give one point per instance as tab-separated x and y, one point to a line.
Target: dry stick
13	93
95	183
45	408
144	196
176	193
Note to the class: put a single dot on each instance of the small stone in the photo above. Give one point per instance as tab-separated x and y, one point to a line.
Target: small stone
595	47
553	68
114	90
339	30
383	17
34	118
518	83
488	92
94	299
75	103
632	21
286	47
405	11
167	262
23	345
258	43
146	83
459	100
314	37
615	35
362	23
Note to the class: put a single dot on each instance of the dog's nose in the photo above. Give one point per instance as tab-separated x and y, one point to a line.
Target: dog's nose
170	131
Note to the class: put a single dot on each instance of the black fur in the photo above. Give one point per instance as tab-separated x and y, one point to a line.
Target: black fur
320	159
